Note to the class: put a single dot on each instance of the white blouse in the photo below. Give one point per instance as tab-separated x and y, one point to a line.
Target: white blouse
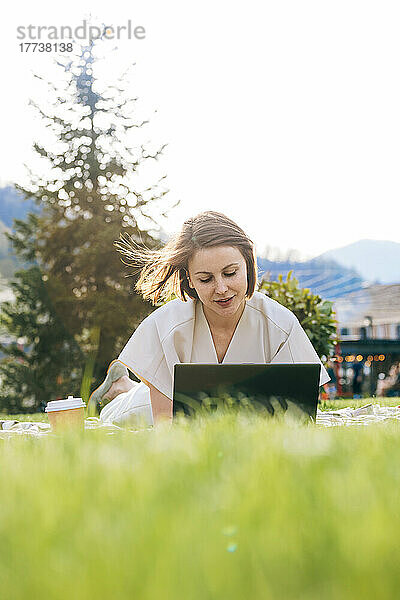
178	332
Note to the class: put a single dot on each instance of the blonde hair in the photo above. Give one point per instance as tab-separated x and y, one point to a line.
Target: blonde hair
164	272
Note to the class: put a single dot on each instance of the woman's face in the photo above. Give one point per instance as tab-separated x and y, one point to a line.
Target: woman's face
219	276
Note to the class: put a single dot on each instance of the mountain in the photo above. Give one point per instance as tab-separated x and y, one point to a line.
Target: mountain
377	261
13	206
324	277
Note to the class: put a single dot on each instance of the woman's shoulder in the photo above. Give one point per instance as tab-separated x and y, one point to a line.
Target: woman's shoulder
170	315
271	310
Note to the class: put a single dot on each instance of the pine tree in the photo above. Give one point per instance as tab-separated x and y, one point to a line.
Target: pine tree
48	366
87	199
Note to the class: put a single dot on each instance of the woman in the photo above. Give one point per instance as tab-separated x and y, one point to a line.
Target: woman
217	317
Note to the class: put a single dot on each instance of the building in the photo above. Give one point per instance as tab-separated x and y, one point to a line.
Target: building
369	333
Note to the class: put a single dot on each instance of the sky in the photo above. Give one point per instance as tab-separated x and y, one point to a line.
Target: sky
283	115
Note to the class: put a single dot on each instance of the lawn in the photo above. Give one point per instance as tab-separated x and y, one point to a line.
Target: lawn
344	402
228	507
324	405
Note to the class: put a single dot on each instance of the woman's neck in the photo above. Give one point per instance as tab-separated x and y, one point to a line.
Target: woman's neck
218	323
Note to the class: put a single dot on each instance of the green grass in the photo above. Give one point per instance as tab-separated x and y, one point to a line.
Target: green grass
324	405
41	417
344	402
228	507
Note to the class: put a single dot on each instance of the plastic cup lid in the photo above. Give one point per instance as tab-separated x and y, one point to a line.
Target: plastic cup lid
71	402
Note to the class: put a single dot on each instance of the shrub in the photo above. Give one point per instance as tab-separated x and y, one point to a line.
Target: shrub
316	315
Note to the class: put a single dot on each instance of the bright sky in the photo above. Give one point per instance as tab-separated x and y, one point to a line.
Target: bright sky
284	115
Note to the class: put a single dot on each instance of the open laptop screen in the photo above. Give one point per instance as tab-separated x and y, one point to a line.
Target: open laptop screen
261	387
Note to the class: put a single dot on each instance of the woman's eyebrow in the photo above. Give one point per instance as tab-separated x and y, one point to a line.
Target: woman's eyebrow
209	272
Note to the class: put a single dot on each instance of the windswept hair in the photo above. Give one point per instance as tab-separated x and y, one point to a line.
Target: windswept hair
164	272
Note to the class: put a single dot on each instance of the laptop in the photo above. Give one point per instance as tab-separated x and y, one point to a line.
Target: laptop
279	389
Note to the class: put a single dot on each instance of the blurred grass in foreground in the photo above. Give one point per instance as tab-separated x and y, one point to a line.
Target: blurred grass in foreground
228	507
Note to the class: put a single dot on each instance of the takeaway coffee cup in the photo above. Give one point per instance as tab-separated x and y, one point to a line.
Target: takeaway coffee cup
66	414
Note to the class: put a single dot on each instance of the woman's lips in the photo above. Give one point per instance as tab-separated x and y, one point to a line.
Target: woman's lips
227	302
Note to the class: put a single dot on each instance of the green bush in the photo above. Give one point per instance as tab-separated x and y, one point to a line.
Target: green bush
315	314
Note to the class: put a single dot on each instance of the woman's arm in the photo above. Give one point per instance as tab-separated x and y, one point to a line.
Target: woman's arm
161	405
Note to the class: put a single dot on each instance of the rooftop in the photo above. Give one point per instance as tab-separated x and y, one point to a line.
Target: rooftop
380	303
